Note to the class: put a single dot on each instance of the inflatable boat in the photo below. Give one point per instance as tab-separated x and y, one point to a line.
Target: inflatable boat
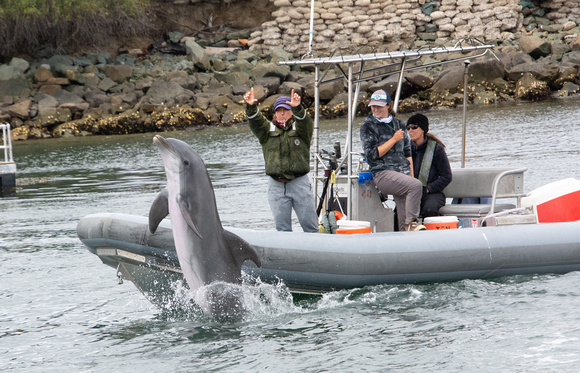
539	236
315	263
503	231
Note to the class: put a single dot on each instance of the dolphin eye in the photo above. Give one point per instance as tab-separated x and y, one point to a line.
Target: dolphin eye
186	162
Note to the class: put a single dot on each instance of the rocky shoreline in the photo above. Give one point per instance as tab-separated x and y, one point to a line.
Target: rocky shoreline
199	83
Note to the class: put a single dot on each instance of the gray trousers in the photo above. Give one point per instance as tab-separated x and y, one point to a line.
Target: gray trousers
297	194
407	192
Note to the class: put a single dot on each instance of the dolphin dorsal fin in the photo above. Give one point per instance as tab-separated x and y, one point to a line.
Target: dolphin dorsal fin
241	250
158	210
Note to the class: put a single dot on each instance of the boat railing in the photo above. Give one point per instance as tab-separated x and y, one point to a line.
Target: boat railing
515	188
6	143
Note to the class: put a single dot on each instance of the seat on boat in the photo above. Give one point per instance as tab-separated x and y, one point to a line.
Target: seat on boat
473	210
496	183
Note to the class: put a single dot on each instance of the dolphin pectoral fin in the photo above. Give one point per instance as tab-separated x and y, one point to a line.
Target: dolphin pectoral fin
241	249
188	216
158	211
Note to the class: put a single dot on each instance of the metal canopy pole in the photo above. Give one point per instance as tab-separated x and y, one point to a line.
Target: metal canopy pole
464	135
311	27
349	143
399	85
316	128
354	99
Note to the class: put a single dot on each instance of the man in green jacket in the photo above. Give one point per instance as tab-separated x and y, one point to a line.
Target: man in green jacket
286	147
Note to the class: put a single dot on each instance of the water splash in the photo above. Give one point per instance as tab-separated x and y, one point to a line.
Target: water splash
257	300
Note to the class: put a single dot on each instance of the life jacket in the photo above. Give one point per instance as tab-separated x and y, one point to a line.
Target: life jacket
427	162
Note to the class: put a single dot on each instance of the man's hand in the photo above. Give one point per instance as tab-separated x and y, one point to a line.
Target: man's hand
295	99
251	100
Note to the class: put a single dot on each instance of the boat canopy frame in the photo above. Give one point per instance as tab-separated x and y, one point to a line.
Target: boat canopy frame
397	62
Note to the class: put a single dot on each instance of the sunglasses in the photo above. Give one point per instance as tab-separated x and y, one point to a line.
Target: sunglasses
412	127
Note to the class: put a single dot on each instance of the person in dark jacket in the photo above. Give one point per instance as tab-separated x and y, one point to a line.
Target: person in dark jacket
430	165
286	148
387	148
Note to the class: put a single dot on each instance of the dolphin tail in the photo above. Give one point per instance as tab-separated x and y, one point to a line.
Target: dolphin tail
241	250
159	210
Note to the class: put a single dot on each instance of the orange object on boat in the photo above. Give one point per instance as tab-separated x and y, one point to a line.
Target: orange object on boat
353	227
440	222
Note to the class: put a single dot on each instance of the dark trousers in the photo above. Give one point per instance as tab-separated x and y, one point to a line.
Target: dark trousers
431	203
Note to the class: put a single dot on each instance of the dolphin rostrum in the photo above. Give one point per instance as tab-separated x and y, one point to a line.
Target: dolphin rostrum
207	253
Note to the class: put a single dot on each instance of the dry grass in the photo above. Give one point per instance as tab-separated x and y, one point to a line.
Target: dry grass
27	35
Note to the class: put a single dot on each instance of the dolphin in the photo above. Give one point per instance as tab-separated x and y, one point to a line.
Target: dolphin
207	253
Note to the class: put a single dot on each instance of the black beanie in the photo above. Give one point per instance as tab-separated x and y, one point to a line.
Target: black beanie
421	121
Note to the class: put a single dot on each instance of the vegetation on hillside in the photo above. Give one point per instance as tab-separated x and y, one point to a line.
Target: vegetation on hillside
59	26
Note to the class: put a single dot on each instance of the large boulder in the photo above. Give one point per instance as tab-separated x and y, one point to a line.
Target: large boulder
327	91
20	64
43	74
270	69
390	85
166	93
12	82
59	59
66	97
260	92
287	87
118	73
242	66
338	106
450	80
233	78
46	104
571	59
484	70
197	55
270	83
535	46
530	88
96	98
234	113
567	74
575	44
543	71
106	84
513	57
222	103
568	89
20	110
419	80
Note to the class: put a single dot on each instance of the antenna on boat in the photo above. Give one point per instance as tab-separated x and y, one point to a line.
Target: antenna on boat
311	35
465	78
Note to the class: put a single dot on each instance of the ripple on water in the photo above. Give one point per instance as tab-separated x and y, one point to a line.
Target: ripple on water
62	309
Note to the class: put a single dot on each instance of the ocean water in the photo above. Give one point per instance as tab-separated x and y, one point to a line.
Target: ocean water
61	309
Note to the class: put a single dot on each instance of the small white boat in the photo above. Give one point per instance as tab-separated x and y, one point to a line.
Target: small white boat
7	165
515	234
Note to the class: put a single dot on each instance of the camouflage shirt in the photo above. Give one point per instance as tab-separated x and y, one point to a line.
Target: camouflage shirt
374	133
